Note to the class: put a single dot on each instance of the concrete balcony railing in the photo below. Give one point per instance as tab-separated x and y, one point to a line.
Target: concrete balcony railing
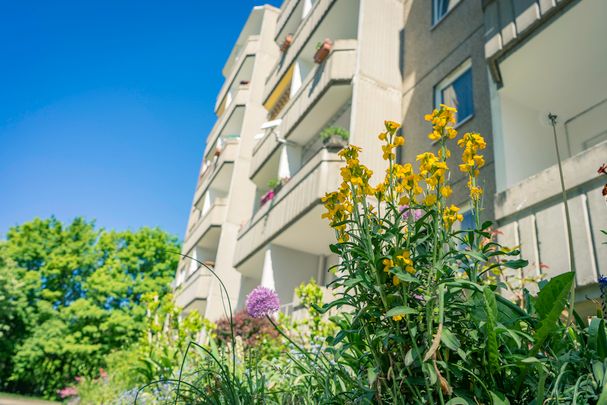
300	38
531	214
193	293
509	22
285	13
241	98
250	49
338	69
215	217
297	197
227	156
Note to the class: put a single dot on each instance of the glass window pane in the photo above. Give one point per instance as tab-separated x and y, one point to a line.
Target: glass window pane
458	94
441	7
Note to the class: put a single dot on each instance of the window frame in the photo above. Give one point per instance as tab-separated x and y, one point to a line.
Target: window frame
436	20
448	81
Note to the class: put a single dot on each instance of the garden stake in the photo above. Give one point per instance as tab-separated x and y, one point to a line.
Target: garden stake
553	117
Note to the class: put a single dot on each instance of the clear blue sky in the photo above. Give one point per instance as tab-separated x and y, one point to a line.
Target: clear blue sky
105	106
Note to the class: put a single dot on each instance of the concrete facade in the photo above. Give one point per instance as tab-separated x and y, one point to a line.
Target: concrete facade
394	59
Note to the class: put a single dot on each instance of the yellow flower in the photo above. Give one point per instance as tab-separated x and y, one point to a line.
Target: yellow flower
434	135
430	199
410	269
388	264
383	136
395	280
397	318
399	140
446	191
450	215
391	126
476	192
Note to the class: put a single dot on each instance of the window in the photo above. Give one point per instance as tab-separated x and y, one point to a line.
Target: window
440	8
456	91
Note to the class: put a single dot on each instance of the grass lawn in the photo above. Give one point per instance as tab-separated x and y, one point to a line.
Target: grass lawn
13	399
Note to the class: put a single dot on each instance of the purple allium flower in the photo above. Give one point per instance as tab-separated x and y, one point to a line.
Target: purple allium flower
262	302
408	212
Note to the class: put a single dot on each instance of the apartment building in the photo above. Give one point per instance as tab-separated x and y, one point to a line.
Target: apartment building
317	64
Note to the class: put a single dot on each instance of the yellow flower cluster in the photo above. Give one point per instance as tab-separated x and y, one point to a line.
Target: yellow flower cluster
339	207
432	169
403	260
393	141
440	119
471	143
450	215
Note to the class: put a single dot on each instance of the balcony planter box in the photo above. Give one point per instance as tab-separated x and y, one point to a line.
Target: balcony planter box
286	43
323	51
267	197
334	138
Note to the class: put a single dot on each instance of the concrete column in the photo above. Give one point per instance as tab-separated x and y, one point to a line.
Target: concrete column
267	273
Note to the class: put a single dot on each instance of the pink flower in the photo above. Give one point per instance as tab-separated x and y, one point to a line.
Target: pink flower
67	392
102	373
262	302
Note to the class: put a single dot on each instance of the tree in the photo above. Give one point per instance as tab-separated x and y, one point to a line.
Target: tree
75	295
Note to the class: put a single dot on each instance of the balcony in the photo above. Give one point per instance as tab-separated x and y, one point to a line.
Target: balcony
293	215
508	23
218	174
531	214
320	97
202	233
193	293
335	19
241	71
230	122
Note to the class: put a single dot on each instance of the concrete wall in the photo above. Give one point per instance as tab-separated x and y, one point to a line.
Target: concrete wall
429	54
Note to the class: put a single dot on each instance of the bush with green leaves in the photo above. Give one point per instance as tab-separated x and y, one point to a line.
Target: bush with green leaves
70	295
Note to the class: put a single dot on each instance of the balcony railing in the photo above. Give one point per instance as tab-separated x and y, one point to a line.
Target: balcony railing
509	22
338	69
295	198
227	155
285	13
193	293
300	38
250	49
240	99
215	217
531	214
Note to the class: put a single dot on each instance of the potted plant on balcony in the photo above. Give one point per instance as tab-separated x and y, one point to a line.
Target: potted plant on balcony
322	50
274	185
334	137
286	43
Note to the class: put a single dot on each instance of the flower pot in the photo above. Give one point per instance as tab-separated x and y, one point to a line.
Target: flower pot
286	43
335	142
323	51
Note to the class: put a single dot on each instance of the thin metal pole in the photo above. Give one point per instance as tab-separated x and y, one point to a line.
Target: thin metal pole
553	117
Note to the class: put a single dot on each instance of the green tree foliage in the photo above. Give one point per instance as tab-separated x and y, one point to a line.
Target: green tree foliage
71	294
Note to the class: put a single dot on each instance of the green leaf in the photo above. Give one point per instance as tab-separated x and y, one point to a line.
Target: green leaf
409	358
401	310
497	398
450	340
491	310
516	264
549	304
597	339
371	376
457	401
406	277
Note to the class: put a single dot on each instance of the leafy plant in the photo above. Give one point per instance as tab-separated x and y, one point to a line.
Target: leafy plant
327	133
